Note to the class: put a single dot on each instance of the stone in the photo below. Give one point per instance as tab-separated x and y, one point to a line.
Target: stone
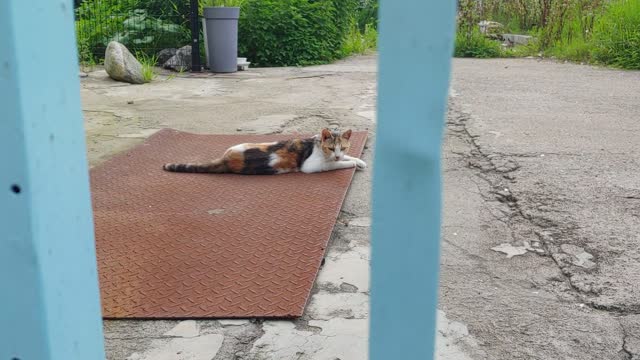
360	222
233	322
490	27
165	54
511	250
327	339
326	306
350	267
181	61
515	39
452	338
186	329
579	257
203	347
121	65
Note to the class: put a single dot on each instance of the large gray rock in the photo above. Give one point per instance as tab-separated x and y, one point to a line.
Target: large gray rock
515	39
121	65
490	27
181	61
165	54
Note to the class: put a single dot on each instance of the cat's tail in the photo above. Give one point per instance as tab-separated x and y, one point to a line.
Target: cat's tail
216	167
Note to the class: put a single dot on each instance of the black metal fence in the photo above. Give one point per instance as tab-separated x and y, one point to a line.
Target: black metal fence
159	30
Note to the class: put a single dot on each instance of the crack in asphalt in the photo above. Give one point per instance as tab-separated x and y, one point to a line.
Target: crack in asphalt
496	170
626	352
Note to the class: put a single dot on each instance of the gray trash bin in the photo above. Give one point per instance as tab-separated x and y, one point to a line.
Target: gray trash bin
222	38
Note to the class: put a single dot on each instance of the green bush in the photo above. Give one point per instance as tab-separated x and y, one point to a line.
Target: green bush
471	43
600	31
345	11
271	32
293	32
139	30
85	54
141	25
368	14
96	22
170	10
359	42
616	35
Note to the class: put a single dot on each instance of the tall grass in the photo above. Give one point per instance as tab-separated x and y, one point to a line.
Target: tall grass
359	42
474	44
598	31
616	35
148	66
607	34
567	35
469	41
518	16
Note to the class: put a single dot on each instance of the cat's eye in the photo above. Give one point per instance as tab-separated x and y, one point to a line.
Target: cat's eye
332	148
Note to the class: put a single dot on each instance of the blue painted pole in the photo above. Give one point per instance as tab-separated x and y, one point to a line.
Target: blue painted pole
415	48
49	302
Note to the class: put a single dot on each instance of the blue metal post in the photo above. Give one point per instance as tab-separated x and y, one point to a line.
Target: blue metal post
415	47
49	302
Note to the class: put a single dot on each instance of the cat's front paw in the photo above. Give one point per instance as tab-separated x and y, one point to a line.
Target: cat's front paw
360	165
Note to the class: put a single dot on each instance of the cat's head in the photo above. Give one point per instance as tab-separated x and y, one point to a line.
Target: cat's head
335	144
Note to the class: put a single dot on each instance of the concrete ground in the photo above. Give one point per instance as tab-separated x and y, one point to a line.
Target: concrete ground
542	210
539	255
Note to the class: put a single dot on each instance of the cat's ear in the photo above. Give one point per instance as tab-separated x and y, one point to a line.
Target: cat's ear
347	134
326	134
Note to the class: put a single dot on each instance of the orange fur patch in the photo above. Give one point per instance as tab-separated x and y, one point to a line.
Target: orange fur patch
234	161
325	149
286	160
260	146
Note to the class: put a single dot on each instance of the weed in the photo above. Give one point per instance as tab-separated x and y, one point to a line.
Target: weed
616	35
474	44
577	50
598	31
148	66
357	42
530	49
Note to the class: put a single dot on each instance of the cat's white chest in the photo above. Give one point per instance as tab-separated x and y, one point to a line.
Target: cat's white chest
315	162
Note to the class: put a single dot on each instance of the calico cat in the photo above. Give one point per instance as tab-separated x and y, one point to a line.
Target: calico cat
322	152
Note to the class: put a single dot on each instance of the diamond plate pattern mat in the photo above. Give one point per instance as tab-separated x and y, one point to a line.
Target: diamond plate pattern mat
173	245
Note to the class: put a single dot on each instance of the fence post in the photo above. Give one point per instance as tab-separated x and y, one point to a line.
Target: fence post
196	65
49	308
415	47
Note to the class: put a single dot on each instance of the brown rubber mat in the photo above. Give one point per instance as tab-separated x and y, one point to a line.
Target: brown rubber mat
174	245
